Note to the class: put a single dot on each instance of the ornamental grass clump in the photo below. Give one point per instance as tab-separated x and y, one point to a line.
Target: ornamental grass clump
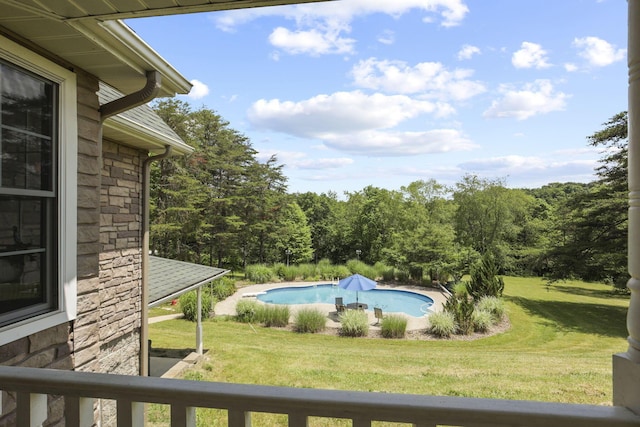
246	311
325	270
189	305
289	273
223	288
442	324
462	308
259	273
276	316
309	320
482	320
354	323
307	271
493	305
393	326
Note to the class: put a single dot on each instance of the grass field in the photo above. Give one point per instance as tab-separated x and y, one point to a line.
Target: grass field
558	348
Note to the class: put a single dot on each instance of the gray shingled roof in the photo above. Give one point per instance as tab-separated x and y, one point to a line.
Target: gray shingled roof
140	126
142	114
168	279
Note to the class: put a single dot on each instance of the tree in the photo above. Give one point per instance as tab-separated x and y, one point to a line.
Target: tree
320	210
484	279
424	240
374	220
219	205
293	234
594	231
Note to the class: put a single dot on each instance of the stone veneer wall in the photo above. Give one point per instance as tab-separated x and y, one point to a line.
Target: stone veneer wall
120	258
120	272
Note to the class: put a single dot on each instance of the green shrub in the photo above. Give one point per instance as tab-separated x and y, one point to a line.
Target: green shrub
389	275
354	323
247	310
259	273
309	320
442	324
484	280
402	275
460	289
189	305
462	310
278	269
393	326
274	315
289	273
307	271
493	305
325	270
482	320
223	288
382	269
358	267
341	271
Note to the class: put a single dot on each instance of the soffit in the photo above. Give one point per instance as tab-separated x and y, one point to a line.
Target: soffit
89	35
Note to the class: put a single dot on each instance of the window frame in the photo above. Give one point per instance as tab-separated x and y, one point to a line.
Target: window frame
65	230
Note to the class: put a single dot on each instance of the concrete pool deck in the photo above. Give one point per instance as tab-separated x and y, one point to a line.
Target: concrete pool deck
228	306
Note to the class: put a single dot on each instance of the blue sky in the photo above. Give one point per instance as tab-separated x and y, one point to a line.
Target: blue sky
353	93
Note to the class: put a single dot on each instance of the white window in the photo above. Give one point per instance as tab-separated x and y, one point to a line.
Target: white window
38	156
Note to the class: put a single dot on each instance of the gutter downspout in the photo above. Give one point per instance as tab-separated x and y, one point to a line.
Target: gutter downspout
144	303
133	100
127	102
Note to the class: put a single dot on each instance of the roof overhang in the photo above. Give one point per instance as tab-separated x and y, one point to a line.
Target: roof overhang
89	35
168	278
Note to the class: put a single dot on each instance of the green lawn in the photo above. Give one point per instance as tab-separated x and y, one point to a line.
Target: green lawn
558	348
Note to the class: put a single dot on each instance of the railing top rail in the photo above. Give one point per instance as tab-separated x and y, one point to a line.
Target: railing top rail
312	402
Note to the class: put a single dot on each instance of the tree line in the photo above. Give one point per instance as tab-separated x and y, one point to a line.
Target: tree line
220	206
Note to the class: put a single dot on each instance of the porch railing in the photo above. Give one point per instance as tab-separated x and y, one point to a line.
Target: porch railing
80	389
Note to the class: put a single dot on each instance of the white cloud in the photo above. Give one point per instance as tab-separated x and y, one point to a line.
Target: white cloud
319	26
598	52
301	160
377	143
199	90
570	67
284	157
452	12
530	55
531	171
340	112
324	163
467	51
431	79
387	37
312	42
534	98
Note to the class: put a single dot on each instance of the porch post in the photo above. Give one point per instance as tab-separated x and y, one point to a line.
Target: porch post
626	366
199	347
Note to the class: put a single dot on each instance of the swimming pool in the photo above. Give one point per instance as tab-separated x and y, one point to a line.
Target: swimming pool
389	300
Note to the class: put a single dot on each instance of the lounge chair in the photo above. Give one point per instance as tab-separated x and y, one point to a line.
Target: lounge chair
378	313
340	307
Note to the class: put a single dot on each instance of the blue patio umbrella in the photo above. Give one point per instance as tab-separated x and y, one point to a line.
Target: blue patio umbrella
357	283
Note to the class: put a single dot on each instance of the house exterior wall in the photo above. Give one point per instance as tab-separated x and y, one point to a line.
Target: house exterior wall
120	259
105	336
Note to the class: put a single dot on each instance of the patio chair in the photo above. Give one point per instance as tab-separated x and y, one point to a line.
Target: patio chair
340	307
378	313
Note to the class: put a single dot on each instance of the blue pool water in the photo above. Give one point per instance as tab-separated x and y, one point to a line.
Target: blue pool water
389	300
